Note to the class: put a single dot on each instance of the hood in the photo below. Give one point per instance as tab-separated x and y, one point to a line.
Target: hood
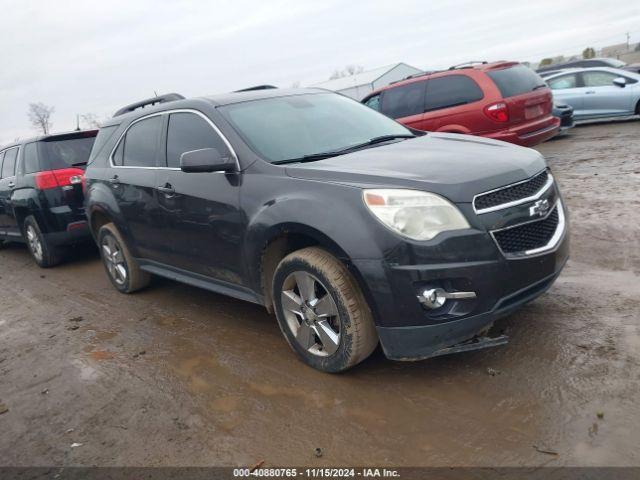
454	166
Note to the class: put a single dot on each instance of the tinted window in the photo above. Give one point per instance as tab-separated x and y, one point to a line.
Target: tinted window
515	80
451	90
565	81
103	137
373	102
598	79
71	152
141	143
290	127
188	131
30	157
9	163
404	101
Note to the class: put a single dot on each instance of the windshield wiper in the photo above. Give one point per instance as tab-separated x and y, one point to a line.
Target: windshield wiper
79	164
539	86
334	153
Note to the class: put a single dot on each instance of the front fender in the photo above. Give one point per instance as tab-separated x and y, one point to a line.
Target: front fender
331	214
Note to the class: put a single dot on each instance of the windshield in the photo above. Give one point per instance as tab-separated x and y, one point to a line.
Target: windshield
285	128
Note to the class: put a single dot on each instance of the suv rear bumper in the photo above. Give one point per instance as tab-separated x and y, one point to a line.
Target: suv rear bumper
76	232
528	135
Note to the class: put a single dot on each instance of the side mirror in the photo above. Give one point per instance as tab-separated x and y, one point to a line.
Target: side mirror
206	160
620	82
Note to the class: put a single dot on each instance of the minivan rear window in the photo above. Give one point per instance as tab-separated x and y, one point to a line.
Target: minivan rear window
71	152
515	80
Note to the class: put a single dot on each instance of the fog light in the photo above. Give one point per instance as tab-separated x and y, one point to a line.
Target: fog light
436	297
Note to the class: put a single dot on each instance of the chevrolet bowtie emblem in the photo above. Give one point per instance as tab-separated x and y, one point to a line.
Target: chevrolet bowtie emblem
540	208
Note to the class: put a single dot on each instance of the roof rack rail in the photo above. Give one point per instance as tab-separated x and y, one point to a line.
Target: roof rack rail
468	64
168	97
415	75
257	87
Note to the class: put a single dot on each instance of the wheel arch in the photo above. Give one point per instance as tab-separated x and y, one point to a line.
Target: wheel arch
280	241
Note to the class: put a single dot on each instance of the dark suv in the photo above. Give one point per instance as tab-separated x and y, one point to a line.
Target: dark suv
41	197
353	229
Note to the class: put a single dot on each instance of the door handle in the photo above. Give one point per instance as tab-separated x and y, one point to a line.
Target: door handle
590	92
167	189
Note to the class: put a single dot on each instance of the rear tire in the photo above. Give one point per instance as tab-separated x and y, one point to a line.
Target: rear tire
43	253
122	269
322	311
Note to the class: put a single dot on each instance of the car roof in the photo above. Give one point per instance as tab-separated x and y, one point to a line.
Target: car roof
454	70
215	100
51	136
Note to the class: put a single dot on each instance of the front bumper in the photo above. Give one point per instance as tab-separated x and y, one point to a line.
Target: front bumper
408	331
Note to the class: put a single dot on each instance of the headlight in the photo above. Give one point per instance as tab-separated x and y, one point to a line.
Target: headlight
414	214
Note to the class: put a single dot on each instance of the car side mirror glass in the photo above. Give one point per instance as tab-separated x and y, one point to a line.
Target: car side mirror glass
619	82
206	160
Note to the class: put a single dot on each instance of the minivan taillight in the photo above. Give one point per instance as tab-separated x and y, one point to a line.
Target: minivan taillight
498	112
59	178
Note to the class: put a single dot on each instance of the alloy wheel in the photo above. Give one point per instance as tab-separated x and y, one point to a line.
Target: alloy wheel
34	243
114	259
311	313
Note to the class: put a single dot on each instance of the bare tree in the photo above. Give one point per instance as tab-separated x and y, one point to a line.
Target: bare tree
348	71
40	116
91	120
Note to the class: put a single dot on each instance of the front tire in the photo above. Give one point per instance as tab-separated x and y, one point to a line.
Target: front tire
43	253
322	311
122	269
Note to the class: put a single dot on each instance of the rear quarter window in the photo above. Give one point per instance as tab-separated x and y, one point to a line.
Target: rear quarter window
104	135
452	90
515	80
30	158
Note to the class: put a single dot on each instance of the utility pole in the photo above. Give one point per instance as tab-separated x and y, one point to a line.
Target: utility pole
628	38
77	122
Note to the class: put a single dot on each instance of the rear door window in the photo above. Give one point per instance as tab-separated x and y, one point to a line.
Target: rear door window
187	132
9	163
598	79
515	80
404	101
450	91
140	147
563	82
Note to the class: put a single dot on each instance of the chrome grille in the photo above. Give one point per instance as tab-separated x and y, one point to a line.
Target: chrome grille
518	192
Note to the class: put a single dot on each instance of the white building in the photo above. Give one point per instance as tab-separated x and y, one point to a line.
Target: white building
361	84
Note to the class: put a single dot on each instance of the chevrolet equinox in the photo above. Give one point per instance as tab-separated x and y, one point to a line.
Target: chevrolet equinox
352	228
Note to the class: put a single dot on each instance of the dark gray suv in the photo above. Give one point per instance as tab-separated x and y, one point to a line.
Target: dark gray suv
352	228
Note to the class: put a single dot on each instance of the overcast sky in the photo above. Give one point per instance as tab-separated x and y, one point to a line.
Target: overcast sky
98	56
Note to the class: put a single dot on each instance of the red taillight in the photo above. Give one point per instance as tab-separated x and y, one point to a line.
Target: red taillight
498	112
59	178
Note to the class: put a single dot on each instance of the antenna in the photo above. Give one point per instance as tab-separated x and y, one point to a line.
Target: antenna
77	122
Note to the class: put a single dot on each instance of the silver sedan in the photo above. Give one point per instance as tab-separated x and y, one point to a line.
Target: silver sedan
598	92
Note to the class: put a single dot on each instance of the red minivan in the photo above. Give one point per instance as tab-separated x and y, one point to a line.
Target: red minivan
501	100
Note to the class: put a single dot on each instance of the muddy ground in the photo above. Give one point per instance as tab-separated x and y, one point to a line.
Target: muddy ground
174	375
